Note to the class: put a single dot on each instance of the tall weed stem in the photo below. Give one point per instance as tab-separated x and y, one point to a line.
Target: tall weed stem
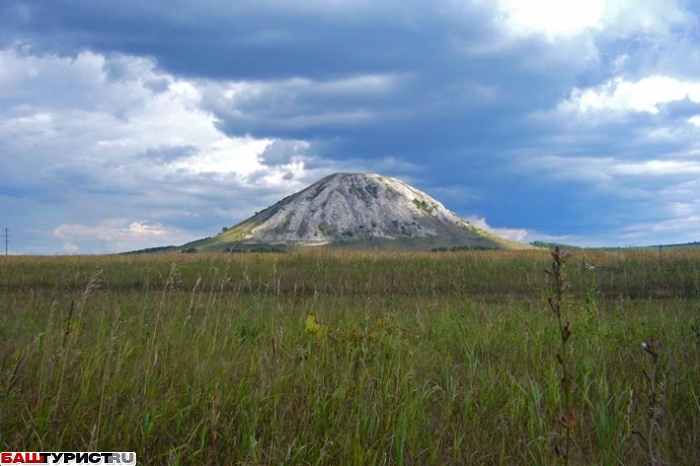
655	400
567	419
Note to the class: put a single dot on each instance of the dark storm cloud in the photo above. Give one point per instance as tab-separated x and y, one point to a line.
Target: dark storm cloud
437	97
443	94
241	40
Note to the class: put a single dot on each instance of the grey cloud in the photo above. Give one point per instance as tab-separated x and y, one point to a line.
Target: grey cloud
281	152
168	153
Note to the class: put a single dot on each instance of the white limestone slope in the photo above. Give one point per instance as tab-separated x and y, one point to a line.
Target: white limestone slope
354	206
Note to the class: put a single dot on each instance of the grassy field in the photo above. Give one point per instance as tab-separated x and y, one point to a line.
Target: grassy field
413	359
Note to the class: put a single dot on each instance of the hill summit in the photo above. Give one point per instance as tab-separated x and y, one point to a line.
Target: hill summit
356	210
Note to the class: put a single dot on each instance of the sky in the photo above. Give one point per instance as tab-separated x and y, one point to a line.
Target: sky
139	123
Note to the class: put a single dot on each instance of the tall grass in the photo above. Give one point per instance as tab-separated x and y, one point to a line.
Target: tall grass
428	358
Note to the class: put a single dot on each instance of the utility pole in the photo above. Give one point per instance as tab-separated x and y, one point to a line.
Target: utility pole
7	239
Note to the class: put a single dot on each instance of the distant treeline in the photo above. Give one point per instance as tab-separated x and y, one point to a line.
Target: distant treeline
149	250
548	245
245	249
694	244
463	248
262	248
544	244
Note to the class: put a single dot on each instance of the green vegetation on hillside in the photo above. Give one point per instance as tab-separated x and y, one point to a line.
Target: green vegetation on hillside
352	358
466	237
